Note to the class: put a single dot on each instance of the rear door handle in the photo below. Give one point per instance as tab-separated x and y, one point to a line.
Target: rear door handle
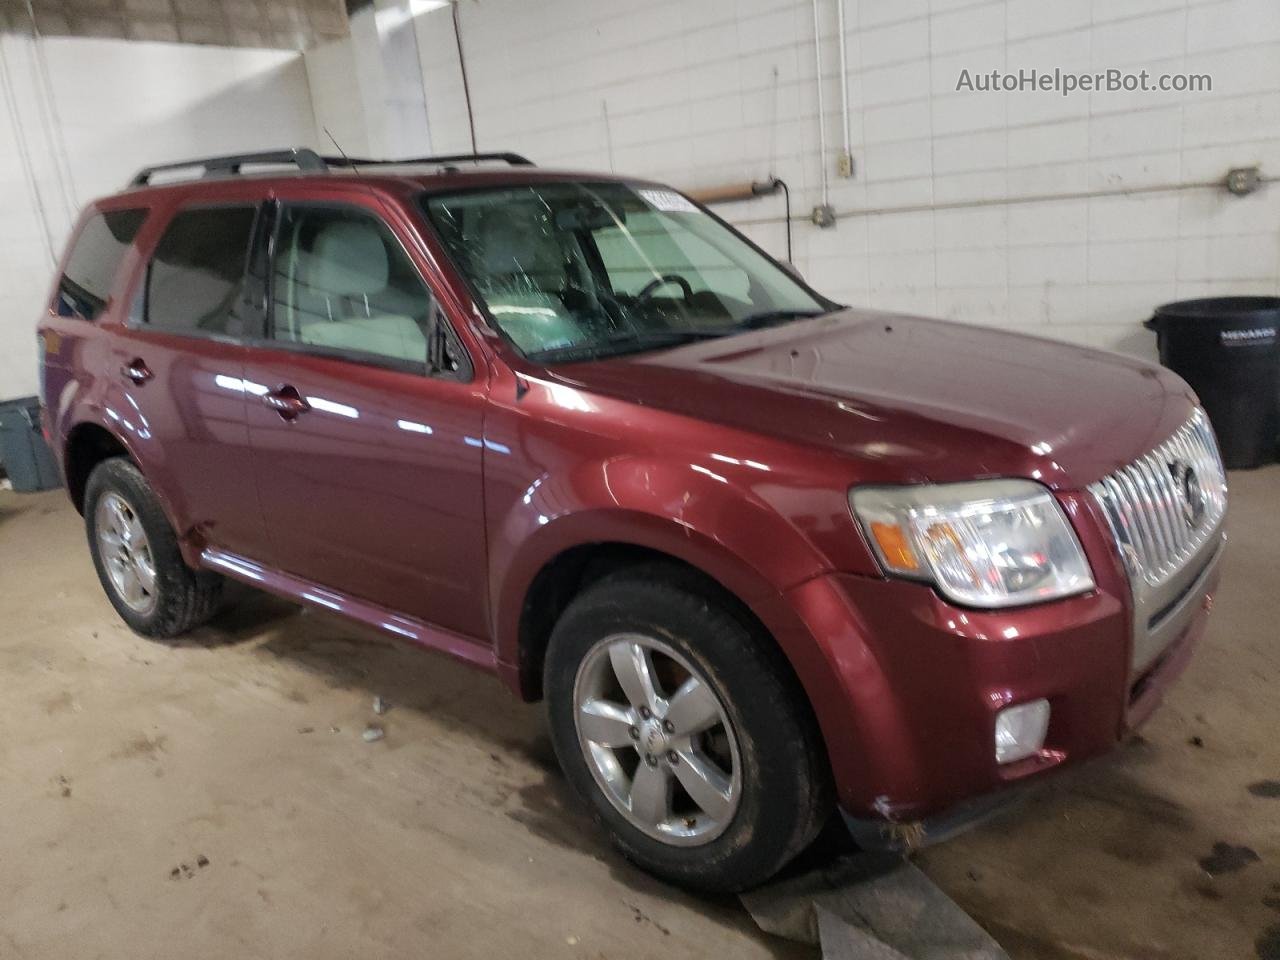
286	401
136	371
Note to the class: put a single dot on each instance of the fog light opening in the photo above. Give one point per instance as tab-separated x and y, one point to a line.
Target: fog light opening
1020	730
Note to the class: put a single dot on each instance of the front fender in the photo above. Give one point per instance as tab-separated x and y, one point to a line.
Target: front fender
750	550
700	517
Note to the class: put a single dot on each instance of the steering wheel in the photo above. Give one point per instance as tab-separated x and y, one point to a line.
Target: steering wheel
657	283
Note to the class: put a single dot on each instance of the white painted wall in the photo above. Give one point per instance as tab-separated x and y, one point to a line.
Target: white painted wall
717	91
336	98
367	88
78	117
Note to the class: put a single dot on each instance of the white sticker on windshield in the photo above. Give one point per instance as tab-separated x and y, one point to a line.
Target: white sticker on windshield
668	201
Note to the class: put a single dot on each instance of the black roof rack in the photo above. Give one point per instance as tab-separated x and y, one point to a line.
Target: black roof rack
308	161
514	159
304	159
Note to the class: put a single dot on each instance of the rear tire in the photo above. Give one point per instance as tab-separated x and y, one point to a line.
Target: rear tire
756	741
137	558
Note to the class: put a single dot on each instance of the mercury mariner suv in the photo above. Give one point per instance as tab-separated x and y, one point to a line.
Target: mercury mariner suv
763	556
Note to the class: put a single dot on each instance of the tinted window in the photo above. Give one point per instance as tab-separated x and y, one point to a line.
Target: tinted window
343	283
94	260
197	272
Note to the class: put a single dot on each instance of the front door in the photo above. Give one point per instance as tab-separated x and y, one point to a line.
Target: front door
367	460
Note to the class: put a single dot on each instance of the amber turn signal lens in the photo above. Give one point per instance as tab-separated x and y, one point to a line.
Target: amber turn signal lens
894	547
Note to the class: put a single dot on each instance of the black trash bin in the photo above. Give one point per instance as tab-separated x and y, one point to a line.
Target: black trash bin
1226	348
26	457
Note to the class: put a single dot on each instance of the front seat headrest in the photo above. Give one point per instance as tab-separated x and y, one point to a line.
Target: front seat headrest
517	243
349	259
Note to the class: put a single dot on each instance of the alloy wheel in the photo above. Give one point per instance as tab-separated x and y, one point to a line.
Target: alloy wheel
126	552
657	739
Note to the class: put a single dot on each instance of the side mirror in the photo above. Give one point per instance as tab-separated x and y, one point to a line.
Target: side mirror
440	352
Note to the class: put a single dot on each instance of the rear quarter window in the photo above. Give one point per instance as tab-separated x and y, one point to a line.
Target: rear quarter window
93	262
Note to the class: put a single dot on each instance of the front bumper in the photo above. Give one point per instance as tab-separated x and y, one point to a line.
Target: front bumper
920	683
1170	634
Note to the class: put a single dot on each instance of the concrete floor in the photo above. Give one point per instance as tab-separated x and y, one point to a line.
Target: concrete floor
214	797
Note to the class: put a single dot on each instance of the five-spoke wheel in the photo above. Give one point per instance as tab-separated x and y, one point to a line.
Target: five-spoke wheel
679	723
657	739
126	552
137	556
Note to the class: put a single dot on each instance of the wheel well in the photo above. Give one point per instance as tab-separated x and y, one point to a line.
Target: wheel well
568	574
88	445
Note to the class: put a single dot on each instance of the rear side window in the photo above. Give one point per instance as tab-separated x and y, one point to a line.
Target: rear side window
95	257
196	275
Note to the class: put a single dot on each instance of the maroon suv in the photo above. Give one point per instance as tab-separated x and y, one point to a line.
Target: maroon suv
761	554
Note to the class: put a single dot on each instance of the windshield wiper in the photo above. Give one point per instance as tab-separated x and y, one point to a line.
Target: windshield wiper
769	318
625	343
636	341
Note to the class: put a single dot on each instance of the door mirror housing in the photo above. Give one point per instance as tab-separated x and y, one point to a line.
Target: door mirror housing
442	356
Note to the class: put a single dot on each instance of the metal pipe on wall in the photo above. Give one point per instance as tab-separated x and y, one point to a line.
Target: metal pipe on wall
1024	199
66	182
845	166
748	190
822	110
726	194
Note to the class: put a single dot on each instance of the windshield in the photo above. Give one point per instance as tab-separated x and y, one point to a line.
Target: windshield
574	270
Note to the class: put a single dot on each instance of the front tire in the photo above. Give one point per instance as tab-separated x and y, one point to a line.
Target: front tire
137	558
683	729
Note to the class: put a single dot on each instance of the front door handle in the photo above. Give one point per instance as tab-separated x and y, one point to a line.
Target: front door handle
136	371
286	401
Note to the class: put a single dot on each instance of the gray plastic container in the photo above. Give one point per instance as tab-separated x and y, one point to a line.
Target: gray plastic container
25	456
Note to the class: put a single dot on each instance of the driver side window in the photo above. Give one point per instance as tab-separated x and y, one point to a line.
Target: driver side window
344	284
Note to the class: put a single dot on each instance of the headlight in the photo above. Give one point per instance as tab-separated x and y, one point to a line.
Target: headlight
991	543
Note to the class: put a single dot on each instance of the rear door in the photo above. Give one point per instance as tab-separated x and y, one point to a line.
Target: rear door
176	367
368	463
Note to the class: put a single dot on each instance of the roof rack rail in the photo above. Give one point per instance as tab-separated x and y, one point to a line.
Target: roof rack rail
514	159
304	159
308	161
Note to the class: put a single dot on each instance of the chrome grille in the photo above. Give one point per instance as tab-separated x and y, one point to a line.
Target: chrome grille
1164	506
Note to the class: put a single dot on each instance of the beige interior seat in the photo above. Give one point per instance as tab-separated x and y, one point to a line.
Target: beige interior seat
346	295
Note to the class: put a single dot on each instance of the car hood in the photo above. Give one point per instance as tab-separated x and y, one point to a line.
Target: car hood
914	399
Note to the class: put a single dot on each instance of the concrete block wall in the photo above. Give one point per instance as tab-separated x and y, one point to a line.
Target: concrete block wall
1068	217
